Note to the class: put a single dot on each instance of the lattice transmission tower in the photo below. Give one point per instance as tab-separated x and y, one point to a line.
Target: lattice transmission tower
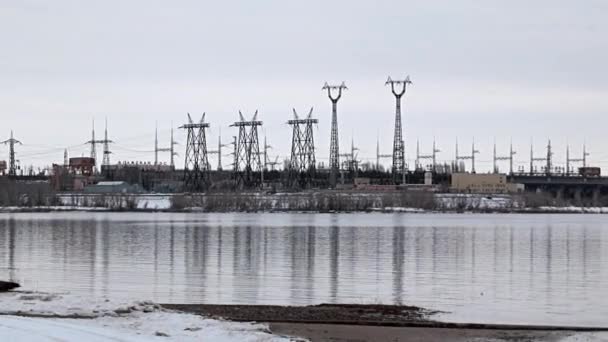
247	162
12	163
398	89
302	162
196	166
334	148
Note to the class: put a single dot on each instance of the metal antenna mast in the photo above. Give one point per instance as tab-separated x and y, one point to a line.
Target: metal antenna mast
196	166
351	163
499	158
12	165
533	159
432	156
170	149
219	151
334	149
494	159
302	162
549	166
156	143
266	148
247	153
379	155
585	155
470	157
106	147
569	160
398	89
456	166
233	153
92	142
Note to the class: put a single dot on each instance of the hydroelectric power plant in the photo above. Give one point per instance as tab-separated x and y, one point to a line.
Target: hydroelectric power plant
253	169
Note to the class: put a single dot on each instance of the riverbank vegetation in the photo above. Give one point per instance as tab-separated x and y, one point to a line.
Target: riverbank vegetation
40	197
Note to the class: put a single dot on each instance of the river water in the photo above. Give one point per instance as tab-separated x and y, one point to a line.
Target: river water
535	269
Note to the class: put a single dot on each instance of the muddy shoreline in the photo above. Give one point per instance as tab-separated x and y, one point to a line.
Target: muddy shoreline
67	209
353	322
354	314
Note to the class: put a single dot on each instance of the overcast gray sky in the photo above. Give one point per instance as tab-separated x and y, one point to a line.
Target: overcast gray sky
485	69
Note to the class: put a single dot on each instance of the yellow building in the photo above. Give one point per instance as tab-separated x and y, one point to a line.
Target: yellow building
483	183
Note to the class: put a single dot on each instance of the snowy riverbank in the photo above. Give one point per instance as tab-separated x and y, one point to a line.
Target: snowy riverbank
323	201
66	317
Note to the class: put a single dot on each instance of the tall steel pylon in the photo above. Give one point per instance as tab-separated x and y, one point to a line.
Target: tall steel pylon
156	143
547	169
170	149
569	160
470	157
549	166
247	163
196	166
334	148
302	162
93	142
380	155
398	89
219	151
351	163
12	164
497	158
432	156
534	159
106	148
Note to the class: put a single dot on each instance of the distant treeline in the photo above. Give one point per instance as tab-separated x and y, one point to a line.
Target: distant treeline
304	201
327	201
40	194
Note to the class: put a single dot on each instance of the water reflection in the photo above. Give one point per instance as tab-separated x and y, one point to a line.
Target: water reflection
550	269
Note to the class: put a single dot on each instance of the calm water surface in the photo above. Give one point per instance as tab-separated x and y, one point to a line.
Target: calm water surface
544	269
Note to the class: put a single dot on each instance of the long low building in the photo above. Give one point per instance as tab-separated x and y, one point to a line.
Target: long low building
114	187
483	183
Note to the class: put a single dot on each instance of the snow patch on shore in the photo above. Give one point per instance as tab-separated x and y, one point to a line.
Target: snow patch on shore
13	209
62	315
573	209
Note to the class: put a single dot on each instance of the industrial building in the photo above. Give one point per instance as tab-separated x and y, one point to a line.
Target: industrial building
480	183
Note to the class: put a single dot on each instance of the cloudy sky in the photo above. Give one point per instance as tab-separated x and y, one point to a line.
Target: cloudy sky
488	70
